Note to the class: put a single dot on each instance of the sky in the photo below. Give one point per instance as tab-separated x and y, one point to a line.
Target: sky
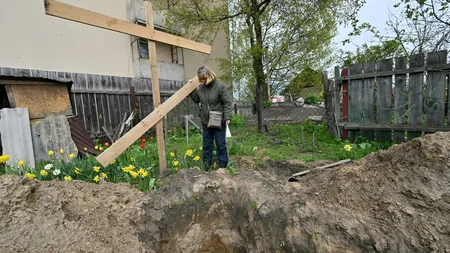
375	12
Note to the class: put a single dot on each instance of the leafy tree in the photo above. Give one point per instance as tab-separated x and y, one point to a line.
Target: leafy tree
373	53
307	78
268	37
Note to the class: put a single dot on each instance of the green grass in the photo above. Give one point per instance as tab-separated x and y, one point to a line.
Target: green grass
138	165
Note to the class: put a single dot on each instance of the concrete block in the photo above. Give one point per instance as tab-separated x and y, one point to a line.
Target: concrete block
54	134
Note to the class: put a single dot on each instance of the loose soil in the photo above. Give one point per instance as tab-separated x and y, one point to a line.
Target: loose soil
396	200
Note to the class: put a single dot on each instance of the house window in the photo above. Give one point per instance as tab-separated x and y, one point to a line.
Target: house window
143	48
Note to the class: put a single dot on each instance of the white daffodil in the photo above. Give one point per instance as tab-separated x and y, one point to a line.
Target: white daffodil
56	172
48	166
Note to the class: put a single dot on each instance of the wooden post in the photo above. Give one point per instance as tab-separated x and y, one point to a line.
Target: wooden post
155	89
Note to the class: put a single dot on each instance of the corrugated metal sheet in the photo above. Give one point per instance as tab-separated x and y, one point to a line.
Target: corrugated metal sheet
81	137
16	135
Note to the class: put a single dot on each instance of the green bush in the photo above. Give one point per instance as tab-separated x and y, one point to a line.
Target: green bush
313	99
267	103
237	121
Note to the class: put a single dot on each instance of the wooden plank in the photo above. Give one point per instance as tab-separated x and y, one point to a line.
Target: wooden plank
123	143
337	99
116	112
436	84
98	98
155	89
79	81
415	95
384	100
400	99
355	98
369	95
73	13
106	83
414	128
93	110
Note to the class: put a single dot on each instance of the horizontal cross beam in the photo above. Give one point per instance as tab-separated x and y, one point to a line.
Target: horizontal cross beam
73	13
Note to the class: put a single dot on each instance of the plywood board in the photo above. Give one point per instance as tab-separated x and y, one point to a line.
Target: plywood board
41	100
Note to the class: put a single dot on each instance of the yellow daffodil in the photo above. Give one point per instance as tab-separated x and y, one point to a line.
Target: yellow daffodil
100	148
77	171
113	161
96	179
134	173
67	178
172	154
4	158
44	173
197	158
96	147
176	169
131	167
132	159
144	174
21	163
61	151
348	147
85	149
141	171
175	163
104	175
126	169
201	148
30	175
189	152
71	156
51	153
96	168
75	149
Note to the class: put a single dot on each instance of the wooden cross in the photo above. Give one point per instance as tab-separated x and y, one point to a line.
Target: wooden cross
80	15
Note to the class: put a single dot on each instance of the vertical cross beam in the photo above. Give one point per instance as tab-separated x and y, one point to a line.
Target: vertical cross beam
155	89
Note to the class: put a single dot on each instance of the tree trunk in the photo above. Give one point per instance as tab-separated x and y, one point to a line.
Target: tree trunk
256	43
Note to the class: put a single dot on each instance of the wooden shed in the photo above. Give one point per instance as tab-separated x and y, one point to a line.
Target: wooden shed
42	96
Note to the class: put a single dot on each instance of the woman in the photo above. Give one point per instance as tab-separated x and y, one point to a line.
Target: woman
214	97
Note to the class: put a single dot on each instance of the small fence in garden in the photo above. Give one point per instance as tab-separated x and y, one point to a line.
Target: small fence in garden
392	100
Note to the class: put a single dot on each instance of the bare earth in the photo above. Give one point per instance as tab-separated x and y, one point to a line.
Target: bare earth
392	201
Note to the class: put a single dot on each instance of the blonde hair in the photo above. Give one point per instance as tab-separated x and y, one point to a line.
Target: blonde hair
205	71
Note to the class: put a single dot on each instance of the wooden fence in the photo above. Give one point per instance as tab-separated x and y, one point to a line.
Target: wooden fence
393	99
103	101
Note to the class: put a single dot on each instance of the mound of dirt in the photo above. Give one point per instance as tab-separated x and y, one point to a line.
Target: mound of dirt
392	201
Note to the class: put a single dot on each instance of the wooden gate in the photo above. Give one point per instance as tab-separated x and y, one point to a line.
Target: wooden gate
395	99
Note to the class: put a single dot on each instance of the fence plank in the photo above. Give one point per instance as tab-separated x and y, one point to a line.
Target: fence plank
337	99
114	102
79	81
369	107
355	98
93	110
384	99
415	95
400	99
436	82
